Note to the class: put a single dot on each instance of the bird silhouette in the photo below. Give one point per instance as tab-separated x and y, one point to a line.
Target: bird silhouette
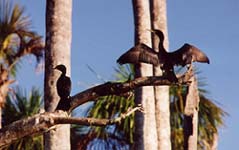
63	86
166	60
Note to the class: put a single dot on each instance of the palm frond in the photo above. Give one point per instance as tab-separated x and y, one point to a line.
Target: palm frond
18	106
16	37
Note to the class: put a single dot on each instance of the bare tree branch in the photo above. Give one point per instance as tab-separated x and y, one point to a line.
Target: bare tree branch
95	121
116	88
46	121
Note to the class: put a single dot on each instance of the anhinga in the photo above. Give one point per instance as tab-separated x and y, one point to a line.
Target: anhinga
63	86
166	60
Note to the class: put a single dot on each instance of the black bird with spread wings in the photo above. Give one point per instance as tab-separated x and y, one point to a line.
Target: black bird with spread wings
63	86
166	60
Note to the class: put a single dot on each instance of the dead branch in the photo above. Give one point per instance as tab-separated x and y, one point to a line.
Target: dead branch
116	88
43	122
95	121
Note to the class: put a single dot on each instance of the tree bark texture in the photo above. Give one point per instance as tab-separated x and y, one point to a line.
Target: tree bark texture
191	116
58	45
161	93
145	135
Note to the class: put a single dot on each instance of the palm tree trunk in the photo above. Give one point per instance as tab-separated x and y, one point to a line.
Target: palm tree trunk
58	45
191	116
159	21
145	136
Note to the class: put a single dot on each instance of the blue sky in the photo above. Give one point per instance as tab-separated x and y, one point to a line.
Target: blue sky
103	30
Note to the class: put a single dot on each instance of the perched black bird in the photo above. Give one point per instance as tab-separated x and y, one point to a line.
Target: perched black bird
167	60
63	86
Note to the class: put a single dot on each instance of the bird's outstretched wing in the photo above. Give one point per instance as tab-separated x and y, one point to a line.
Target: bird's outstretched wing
139	53
188	54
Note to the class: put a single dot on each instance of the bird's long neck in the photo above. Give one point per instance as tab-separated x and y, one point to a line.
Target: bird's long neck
161	46
63	73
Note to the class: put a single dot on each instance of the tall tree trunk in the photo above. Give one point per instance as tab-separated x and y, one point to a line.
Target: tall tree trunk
58	45
145	136
159	21
191	116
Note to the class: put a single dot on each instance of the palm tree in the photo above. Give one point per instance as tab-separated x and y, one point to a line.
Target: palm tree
16	41
58	45
159	21
18	106
145	124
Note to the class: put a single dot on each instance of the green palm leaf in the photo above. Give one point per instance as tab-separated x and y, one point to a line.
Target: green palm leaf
16	37
18	106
